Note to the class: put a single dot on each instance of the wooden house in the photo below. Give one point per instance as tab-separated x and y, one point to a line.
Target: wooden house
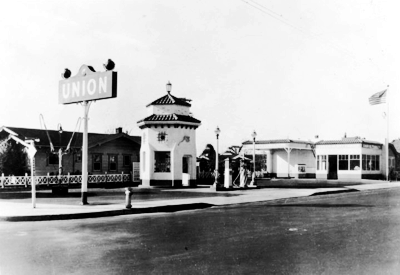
107	153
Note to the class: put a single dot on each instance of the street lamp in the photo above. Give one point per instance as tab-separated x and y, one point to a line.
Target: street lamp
217	132
60	153
254	135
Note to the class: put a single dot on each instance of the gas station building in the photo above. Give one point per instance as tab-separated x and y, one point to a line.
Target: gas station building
349	158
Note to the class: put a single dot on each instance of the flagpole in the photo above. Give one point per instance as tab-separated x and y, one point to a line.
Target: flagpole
387	133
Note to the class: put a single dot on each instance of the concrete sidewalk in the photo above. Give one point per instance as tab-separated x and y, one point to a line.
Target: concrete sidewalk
112	203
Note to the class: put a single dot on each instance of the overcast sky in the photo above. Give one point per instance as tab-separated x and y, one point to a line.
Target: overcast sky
287	69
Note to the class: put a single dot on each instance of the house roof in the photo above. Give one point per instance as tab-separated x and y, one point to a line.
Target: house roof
396	144
170	117
393	148
349	140
62	140
274	141
169	99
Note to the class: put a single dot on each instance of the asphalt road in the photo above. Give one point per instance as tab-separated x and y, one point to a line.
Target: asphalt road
354	233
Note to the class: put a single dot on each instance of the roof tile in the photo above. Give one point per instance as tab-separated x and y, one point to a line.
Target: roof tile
170	117
169	99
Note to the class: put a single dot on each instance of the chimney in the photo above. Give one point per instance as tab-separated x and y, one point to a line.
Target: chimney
118	130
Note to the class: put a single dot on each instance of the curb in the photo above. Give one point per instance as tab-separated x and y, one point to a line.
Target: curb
348	190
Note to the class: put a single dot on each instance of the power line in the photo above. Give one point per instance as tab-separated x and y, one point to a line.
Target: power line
271	13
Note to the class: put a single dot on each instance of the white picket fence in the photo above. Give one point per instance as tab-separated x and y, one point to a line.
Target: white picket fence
12	181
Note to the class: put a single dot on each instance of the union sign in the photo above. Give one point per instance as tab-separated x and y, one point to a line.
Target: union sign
87	85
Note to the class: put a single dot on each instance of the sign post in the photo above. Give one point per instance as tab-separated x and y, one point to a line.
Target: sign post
31	150
86	106
86	86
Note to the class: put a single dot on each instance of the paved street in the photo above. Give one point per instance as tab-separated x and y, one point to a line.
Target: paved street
351	233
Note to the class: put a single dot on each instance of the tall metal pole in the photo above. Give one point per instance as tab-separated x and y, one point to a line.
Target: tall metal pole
33	184
217	131
387	134
59	155
30	144
288	166
254	155
216	163
85	152
253	175
60	164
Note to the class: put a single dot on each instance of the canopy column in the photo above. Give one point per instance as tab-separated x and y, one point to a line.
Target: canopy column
288	150
269	161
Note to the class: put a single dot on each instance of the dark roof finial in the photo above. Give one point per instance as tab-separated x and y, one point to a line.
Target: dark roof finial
169	87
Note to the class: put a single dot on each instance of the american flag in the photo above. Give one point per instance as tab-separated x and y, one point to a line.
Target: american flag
378	98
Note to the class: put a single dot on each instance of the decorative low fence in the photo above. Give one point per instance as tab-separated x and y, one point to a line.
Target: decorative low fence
12	181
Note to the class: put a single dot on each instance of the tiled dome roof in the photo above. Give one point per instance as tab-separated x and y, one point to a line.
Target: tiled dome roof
169	99
170	117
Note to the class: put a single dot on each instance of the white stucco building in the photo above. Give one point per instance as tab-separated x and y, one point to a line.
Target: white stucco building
352	158
349	158
168	149
284	157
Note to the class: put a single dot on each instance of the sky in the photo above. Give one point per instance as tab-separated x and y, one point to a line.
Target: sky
286	69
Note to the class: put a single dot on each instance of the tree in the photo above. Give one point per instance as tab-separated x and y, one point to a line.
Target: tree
207	158
13	158
234	149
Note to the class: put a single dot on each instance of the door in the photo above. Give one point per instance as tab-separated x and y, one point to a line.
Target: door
185	164
332	167
186	170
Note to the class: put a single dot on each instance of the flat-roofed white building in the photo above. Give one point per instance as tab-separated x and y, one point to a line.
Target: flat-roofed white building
351	158
284	157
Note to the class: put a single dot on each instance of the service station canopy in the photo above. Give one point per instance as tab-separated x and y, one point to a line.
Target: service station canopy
87	85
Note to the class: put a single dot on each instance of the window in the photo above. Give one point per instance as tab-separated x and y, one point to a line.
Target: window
136	157
371	162
96	162
343	162
127	160
78	157
354	162
377	164
364	162
391	162
53	159
162	162
321	162
162	136
112	162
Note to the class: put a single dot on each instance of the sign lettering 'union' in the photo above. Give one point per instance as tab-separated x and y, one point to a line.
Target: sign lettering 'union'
87	85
